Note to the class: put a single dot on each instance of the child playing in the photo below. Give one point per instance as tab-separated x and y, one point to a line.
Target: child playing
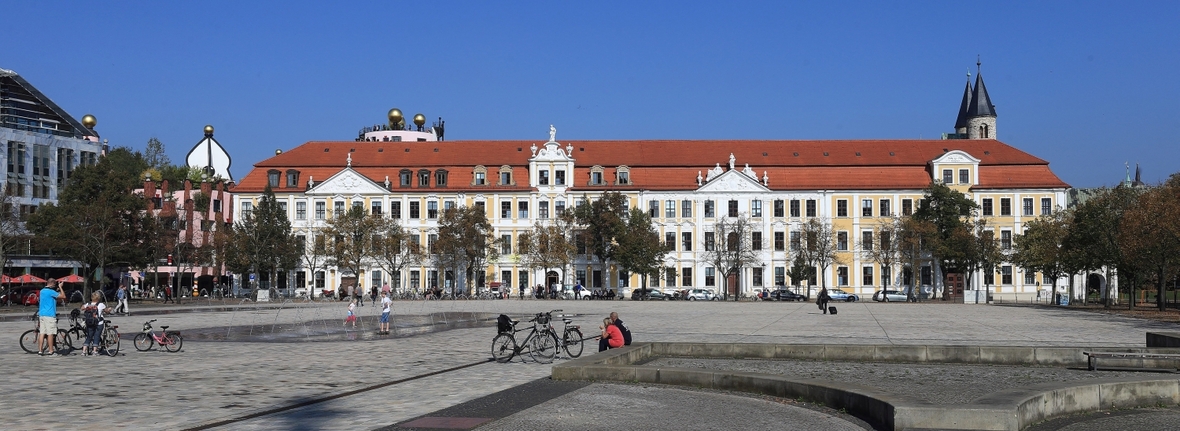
351	313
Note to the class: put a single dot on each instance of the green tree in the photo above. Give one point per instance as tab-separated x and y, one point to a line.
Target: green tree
155	156
549	245
639	250
349	243
800	271
883	249
393	247
1094	236
1041	248
465	243
734	250
97	220
819	248
914	238
601	222
1150	231
949	211
261	242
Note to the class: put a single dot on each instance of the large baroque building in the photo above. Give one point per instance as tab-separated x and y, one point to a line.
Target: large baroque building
686	185
44	145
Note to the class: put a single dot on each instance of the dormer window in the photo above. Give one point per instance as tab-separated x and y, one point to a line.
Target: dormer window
272	178
624	175
292	178
596	176
440	178
423	178
404	177
480	177
506	176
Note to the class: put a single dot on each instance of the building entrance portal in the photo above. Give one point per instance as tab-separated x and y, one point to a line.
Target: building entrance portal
552	279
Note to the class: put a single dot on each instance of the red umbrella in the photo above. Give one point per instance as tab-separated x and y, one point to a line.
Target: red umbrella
72	278
4	278
28	279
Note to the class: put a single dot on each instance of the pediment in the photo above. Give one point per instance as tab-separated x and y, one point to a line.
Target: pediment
347	182
732	181
551	152
956	156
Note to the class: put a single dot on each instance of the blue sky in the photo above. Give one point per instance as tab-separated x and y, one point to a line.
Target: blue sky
1084	85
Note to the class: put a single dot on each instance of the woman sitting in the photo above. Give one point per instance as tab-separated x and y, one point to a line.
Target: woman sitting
612	337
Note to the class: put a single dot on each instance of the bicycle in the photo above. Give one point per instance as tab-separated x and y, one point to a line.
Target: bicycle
77	330
28	340
108	342
571	336
170	340
540	342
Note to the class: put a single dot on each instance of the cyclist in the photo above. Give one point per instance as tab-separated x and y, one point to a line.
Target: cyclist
93	315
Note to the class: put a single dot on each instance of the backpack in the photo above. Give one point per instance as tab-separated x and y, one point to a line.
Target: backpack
90	315
504	323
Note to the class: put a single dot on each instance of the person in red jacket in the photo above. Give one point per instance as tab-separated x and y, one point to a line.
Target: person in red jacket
612	338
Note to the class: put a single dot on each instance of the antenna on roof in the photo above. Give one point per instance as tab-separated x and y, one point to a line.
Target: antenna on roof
978	64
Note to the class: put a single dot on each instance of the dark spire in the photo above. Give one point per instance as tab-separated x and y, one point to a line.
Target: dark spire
981	104
961	121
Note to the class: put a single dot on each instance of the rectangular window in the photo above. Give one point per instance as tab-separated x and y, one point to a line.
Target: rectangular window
686	277
338	208
866	276
780	276
866	240
415	280
866	208
596	178
779	208
756	276
559	208
756	208
1045	279
842	208
559	177
842	240
320	210
292	179
686	208
448	205
1006	239
653	209
505	209
709	209
686	241
927	276
505	244
624	177
1046	206
1005	206
733	208
710	276
395	209
755	241
886	276
885	210
543	209
1006	274
543	178
432	209
669	209
300	210
842	276
415	210
964	176
986	207
670	240
709	241
989	276
283	210
481	178
423	178
375	207
272	178
522	210
1026	206
505	178
431	241
948	176
779	241
247	208
907	207
795	208
886	239
796	241
1030	277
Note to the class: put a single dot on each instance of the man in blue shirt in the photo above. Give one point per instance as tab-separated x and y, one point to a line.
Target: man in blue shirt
48	313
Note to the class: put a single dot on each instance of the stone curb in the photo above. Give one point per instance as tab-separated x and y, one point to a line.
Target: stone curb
1006	410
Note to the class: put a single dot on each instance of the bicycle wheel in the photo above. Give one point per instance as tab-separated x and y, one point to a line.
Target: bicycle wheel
503	347
543	348
174	346
110	341
143	342
28	340
573	342
60	344
75	337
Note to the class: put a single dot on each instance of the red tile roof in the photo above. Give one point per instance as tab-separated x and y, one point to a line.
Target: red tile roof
669	164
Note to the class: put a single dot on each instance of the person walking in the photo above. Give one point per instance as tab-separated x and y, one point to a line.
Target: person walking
386	304
92	316
360	295
121	297
47	309
612	338
822	300
351	317
168	294
578	290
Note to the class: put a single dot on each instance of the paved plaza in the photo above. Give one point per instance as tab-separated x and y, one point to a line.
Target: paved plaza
355	380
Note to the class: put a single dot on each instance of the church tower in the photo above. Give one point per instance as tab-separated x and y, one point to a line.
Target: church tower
977	115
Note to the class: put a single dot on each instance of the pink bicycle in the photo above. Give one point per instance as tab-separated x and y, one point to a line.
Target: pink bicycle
171	340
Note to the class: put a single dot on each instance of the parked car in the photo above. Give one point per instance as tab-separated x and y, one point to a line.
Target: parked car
840	295
701	295
648	294
889	295
785	295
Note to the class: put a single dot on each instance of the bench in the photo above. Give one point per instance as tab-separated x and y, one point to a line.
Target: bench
1092	357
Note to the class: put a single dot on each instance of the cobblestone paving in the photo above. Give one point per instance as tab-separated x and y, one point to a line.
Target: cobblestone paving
218	380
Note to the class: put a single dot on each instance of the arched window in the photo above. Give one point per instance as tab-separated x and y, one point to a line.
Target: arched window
983	131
